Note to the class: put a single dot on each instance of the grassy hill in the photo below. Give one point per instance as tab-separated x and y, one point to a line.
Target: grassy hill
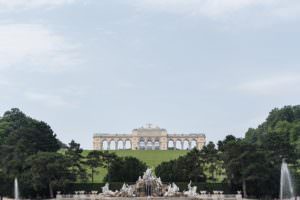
151	158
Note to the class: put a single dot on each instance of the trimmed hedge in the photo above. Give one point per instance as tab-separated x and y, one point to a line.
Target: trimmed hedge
88	187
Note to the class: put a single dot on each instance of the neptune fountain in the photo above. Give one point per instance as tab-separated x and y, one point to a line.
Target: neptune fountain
149	186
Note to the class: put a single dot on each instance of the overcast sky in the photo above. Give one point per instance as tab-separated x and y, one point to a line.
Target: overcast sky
209	66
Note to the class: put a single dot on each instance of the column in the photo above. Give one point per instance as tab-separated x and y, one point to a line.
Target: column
108	145
181	145
100	144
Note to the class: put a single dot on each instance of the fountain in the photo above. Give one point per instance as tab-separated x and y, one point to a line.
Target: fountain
286	185
16	189
150	187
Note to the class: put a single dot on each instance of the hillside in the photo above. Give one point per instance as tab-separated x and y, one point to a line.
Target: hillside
151	158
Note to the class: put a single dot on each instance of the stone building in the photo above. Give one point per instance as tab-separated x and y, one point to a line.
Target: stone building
148	138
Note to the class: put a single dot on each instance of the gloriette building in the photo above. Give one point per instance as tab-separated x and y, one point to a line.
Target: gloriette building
148	137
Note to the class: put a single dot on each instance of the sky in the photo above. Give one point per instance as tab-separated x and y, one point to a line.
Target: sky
108	66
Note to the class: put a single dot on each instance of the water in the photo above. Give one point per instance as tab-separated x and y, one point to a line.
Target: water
286	184
16	192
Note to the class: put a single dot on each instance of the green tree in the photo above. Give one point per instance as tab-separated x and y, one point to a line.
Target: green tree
93	160
212	162
126	169
24	136
183	169
107	159
5	185
244	163
48	170
76	159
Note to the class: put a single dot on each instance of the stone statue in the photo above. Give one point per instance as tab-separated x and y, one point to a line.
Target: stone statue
126	191
173	190
106	192
147	174
192	191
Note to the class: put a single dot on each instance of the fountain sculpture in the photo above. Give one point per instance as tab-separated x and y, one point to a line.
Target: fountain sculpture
286	185
148	186
192	191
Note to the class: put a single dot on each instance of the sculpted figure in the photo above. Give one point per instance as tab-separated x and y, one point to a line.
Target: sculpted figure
106	192
192	191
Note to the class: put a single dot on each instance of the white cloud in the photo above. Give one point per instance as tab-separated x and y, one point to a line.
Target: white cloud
49	100
221	8
35	47
275	85
13	5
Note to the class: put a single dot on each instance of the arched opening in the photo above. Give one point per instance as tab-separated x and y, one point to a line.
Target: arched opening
186	145
120	145
193	144
149	145
128	144
156	145
142	144
170	144
104	145
178	145
112	145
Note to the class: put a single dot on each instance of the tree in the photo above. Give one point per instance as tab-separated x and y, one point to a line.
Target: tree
23	136
107	159
183	169
126	169
246	164
48	170
93	160
210	155
76	159
5	185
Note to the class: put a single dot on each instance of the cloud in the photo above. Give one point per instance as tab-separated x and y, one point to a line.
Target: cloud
275	85
49	100
36	47
220	8
16	5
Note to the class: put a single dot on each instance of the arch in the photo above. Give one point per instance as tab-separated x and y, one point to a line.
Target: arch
149	145
193	143
127	144
142	144
112	145
171	144
120	144
156	145
178	144
104	145
186	145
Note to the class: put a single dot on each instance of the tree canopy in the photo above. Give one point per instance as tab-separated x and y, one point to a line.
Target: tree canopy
183	169
125	169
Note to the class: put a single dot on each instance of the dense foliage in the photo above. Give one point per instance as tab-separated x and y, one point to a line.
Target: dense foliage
183	169
255	160
125	169
28	151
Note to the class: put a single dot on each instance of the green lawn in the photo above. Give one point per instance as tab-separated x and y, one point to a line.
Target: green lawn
151	157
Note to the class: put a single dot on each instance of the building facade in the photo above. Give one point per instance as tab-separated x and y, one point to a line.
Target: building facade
148	137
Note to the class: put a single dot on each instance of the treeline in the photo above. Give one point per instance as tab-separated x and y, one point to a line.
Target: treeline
30	151
251	164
